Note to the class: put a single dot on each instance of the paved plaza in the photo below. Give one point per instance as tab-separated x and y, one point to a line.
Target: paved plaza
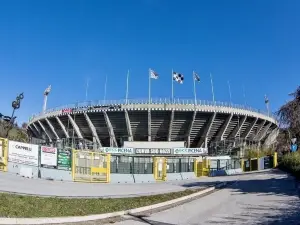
16	184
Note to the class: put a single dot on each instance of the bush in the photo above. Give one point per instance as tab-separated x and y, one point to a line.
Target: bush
258	153
291	163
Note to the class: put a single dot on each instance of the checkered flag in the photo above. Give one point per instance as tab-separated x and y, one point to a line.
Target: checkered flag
178	77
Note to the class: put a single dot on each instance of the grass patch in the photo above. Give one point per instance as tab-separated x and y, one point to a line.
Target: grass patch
29	206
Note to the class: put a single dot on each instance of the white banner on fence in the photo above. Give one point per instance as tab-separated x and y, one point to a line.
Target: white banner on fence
118	150
190	151
23	153
48	156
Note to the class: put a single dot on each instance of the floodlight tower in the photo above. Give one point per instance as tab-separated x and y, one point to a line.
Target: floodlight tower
267	102
46	93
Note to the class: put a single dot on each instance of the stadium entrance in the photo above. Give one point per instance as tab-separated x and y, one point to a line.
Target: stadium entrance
3	154
91	166
160	168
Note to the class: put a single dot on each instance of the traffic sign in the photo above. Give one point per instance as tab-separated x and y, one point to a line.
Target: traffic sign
294	147
294	140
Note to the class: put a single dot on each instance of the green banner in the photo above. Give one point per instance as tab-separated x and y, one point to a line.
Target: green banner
64	159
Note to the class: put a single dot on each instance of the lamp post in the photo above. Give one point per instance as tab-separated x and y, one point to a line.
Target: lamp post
16	105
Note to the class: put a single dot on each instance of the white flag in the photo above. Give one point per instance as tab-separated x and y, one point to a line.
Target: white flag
178	77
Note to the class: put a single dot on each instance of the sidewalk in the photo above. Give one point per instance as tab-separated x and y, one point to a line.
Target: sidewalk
11	183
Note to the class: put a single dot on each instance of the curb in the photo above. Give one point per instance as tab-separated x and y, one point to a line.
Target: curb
76	219
247	173
254	172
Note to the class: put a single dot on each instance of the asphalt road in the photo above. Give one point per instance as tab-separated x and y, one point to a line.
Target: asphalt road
270	198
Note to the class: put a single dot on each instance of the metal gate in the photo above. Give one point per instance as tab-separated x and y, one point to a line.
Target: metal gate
160	168
201	167
88	166
3	154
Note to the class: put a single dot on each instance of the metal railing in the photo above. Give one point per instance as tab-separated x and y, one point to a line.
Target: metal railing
176	101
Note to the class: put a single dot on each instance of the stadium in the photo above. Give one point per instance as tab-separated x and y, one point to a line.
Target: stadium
216	126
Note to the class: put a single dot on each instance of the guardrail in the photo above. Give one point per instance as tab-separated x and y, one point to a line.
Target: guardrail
152	101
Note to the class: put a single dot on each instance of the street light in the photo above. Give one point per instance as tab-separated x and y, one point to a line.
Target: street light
16	105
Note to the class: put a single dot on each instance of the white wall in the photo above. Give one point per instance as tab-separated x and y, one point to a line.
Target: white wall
153	144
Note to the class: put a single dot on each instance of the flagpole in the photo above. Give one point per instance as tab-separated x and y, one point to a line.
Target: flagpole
268	109
105	89
86	89
229	89
127	87
149	85
244	93
172	86
195	94
212	88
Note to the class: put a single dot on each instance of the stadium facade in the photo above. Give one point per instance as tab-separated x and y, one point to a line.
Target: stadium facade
109	123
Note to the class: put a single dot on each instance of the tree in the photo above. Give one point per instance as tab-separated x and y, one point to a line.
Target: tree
24	125
7	130
289	119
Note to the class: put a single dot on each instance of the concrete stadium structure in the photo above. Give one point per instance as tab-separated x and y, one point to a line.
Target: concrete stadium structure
110	123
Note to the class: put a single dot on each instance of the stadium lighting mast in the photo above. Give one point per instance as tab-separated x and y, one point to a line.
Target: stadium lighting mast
46	93
267	102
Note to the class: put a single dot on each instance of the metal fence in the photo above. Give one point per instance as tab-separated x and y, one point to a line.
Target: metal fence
226	164
144	165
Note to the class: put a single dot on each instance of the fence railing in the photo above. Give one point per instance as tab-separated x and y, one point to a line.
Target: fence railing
175	101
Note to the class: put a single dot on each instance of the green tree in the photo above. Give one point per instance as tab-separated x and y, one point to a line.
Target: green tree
7	130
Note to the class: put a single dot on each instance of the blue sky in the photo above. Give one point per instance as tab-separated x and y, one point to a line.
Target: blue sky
253	43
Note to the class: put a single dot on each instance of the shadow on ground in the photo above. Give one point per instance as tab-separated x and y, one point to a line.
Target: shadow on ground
271	212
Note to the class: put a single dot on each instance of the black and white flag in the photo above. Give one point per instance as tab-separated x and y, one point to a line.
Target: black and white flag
178	77
196	76
153	74
266	99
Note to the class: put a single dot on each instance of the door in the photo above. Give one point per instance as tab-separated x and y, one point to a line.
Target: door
91	166
160	168
3	154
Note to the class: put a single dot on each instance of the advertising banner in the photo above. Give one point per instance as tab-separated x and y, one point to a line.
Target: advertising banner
23	153
48	156
153	151
118	150
190	151
64	159
66	110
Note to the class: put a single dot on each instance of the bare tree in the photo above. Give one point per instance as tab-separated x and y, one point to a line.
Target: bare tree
24	125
